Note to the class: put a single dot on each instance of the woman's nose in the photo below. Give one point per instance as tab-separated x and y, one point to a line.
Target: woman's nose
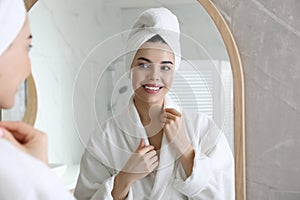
154	74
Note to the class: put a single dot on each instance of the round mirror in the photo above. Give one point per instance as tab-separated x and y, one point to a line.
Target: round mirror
78	87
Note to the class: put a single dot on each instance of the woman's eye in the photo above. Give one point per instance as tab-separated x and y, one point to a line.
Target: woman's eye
144	65
166	68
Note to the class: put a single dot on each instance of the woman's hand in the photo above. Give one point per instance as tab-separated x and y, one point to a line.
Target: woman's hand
174	128
26	138
139	165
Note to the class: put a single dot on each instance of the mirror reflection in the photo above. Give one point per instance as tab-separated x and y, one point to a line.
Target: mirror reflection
18	111
69	57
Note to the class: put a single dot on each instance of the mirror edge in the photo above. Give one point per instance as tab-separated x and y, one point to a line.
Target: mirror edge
31	104
29	4
239	97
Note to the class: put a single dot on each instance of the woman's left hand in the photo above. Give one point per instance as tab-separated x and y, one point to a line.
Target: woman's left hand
174	128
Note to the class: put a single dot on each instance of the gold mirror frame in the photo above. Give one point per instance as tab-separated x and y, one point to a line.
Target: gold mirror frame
238	90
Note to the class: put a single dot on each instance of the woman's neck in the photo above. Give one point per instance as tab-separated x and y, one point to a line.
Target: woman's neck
148	111
150	115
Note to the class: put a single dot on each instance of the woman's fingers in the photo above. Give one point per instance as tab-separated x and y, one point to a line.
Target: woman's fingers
9	137
173	111
20	130
154	165
170	114
16	126
145	149
153	159
150	154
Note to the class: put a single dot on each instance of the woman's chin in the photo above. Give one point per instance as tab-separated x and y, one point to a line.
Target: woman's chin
7	103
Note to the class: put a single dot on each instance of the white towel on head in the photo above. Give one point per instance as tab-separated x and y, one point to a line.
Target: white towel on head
12	19
154	21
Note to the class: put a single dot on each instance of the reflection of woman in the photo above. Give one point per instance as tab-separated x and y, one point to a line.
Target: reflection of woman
152	150
22	148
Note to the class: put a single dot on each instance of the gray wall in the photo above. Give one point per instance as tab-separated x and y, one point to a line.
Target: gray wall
268	37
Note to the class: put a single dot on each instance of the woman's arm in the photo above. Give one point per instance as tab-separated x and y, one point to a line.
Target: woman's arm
206	170
212	175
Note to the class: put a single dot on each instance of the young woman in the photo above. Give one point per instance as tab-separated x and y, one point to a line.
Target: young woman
153	150
23	149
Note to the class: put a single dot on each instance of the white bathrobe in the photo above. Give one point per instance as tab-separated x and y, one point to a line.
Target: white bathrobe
110	147
22	177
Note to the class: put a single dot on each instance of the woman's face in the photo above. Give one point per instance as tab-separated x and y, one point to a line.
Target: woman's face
14	66
152	72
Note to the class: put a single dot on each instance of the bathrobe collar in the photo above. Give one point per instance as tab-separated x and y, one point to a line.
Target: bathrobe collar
130	123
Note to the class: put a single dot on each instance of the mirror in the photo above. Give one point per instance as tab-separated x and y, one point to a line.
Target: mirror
77	89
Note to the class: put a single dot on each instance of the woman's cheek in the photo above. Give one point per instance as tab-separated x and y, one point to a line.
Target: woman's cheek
168	80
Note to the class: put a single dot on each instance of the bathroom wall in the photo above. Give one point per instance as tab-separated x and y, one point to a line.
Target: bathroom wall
268	36
71	32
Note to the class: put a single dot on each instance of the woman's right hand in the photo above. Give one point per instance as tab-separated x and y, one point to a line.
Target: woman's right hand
26	138
140	164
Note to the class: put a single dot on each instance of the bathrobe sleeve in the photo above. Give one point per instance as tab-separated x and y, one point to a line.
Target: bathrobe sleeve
96	180
26	178
213	170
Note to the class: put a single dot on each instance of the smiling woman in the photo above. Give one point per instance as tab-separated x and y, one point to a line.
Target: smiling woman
100	89
175	153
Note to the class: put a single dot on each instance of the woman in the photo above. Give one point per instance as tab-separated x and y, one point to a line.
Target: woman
23	149
152	150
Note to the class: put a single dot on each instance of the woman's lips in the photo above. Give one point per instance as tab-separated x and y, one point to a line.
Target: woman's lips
152	89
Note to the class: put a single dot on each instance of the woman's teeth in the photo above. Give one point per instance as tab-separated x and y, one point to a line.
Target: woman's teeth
152	88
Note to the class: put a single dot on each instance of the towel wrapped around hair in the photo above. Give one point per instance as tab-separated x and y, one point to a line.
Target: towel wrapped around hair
12	19
154	21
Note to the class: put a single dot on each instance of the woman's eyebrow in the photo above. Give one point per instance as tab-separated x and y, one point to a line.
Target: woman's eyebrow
167	62
145	59
149	61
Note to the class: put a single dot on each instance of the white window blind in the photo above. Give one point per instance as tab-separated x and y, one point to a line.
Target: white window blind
206	86
193	87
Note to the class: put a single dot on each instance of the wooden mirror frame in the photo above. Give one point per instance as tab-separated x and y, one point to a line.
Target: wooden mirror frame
31	102
238	99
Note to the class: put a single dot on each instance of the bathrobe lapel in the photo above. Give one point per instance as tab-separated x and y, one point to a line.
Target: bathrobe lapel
166	162
130	124
164	171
